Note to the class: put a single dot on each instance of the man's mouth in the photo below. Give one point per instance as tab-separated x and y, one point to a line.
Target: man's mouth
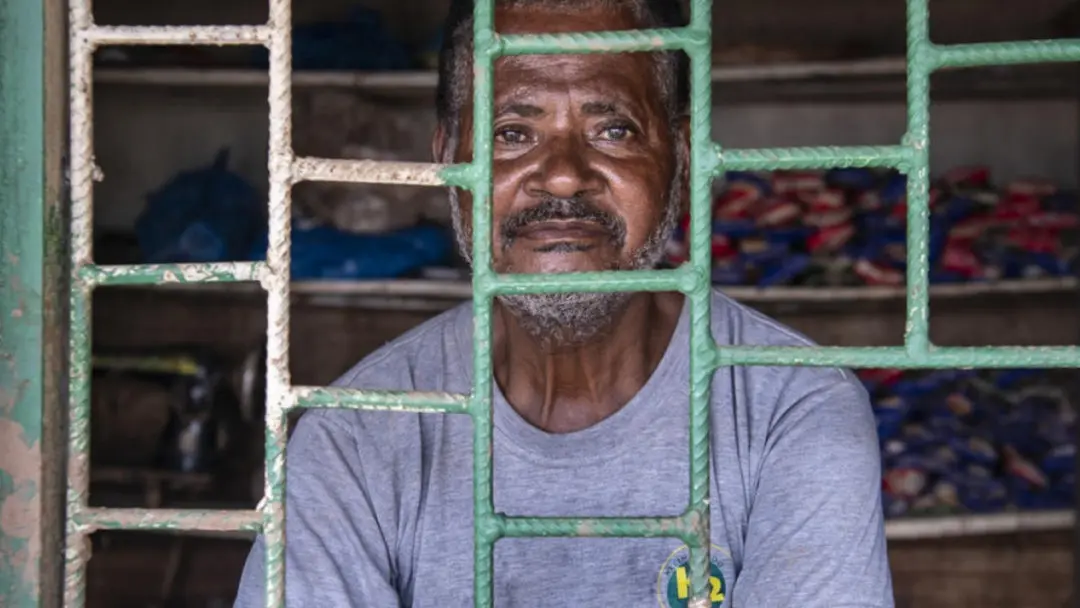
553	231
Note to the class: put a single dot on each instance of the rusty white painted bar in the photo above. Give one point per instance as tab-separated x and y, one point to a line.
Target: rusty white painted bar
217	35
200	520
156	274
367	171
82	173
279	397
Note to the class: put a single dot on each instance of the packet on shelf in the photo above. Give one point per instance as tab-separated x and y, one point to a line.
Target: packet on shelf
847	226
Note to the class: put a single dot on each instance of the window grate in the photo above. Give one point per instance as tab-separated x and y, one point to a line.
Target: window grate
286	169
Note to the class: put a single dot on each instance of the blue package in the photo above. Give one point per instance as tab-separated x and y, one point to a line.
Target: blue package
1060	460
894	190
1010	378
975	450
323	252
728	272
734	228
851	178
788	235
785	270
205	215
759	182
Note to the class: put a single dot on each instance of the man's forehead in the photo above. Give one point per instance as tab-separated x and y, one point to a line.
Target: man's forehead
622	81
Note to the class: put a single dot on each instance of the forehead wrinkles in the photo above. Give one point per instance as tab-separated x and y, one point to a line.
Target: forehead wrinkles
624	80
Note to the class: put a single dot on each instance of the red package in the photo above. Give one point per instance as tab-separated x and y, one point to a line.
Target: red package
1035	240
735	203
877	274
959	258
1018	466
1022	204
904	482
885	377
777	212
968	176
1032	187
828	199
793	182
831	238
972	228
827	218
1053	220
722	247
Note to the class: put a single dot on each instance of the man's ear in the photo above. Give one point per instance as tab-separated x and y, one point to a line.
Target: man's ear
438	144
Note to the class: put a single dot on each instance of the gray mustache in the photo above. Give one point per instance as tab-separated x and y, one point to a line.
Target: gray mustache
553	208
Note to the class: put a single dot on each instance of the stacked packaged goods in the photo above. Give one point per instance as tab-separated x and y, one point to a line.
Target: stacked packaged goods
967	441
846	227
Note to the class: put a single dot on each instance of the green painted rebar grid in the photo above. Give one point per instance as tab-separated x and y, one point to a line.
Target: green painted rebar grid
708	159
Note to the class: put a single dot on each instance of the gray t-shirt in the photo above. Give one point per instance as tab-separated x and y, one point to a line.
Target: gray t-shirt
379	505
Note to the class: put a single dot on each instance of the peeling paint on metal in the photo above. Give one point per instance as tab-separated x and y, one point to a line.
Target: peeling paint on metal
21	281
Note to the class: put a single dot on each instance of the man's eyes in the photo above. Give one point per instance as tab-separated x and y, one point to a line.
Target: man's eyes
516	135
512	135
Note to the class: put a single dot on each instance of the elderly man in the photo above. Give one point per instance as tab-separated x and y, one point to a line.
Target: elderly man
590	403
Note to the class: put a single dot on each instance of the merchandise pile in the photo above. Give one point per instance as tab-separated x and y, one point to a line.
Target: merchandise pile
846	227
973	441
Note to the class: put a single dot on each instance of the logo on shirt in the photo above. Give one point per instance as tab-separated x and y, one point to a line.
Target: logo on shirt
673	582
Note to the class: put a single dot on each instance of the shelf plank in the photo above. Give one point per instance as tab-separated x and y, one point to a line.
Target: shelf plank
901	529
427	79
462	290
978	525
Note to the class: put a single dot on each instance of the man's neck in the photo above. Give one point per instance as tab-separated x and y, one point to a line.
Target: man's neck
565	389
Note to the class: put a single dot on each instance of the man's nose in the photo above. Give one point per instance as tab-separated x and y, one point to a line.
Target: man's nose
564	170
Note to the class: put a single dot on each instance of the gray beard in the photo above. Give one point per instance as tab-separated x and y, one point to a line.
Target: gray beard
560	320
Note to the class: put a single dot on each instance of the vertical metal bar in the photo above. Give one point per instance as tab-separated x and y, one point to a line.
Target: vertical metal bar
702	346
920	66
22	246
485	533
55	296
277	287
82	190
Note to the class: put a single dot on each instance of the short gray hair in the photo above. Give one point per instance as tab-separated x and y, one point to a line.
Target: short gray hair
455	60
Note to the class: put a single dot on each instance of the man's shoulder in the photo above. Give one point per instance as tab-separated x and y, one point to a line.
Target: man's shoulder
735	324
417	359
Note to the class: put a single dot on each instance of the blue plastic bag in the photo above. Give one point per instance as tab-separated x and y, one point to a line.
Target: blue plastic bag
205	215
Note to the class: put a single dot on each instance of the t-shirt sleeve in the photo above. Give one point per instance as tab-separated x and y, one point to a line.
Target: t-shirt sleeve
815	535
340	549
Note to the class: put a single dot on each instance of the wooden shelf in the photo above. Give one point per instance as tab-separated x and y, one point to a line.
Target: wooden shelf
394	292
869	78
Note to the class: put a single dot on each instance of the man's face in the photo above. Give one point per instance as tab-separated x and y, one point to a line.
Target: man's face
583	157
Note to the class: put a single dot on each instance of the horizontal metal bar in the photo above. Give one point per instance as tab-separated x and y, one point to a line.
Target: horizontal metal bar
217	35
600	42
993	54
158	274
604	527
367	171
978	525
1003	357
813	157
679	279
433	290
205	520
393	401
